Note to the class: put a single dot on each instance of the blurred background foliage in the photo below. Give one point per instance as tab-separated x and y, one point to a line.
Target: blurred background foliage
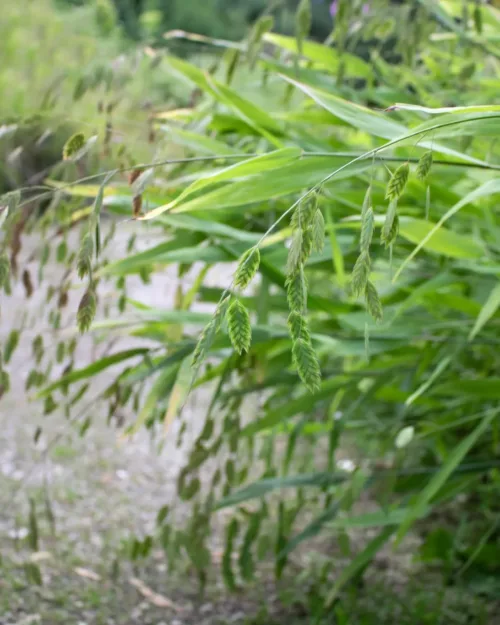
148	19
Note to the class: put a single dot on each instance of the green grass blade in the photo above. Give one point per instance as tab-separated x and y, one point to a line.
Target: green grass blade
487	311
262	487
359	563
93	369
244	169
440	478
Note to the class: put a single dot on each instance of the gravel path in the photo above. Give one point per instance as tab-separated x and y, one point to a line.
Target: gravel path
102	489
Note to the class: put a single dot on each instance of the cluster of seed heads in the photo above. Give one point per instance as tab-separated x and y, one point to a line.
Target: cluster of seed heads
308	234
360	279
233	310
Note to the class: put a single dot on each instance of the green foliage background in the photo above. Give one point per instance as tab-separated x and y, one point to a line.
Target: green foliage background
215	18
365	315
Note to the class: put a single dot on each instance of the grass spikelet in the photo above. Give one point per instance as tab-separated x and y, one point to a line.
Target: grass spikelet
136	206
11	200
87	309
306	362
209	332
134	174
318	230
221	310
10	345
142	180
298	326
302	216
60	352
424	165
360	274
61	251
8	205
478	19
394	231
398	181
388	233
263	25
81	87
367	202
37	347
204	343
73	145
4	270
366	230
247	267
296	291
238	324
108	133
373	301
16	244
4	383
307	245
97	239
84	262
294	253
63	299
233	56
303	21
27	283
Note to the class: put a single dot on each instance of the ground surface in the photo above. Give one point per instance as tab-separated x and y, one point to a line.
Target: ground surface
101	489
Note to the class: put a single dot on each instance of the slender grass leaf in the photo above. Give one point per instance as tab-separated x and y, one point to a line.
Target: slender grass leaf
313	528
160	389
439	479
248	111
326	57
249	168
268	485
381	126
304	403
382	518
483	388
358	564
198	142
360	117
487	311
486	108
441	367
93	369
179	392
443	241
291	178
491	187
